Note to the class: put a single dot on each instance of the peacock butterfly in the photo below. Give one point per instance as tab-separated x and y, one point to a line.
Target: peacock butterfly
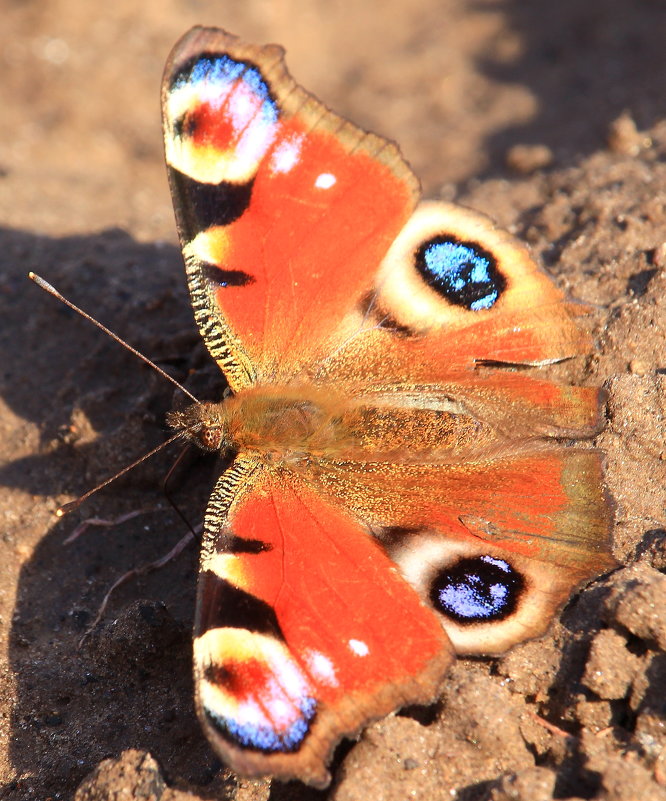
399	491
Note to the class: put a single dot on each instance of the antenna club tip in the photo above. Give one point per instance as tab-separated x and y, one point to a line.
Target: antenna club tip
31	275
66	508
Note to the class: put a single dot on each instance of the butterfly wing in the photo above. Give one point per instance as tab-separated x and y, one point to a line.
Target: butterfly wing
269	188
284	210
304	630
494	546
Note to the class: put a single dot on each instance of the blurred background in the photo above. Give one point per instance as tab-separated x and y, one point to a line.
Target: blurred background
456	82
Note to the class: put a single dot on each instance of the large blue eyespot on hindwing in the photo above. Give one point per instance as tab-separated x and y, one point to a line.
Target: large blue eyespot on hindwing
464	273
477	590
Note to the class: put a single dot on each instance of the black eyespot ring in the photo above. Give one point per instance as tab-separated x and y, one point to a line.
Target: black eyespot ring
477	590
464	273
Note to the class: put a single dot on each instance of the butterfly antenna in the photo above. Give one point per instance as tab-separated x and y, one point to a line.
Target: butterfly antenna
66	508
53	291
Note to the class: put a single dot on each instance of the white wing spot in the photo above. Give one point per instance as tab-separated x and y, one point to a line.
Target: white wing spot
325	181
287	155
359	647
321	668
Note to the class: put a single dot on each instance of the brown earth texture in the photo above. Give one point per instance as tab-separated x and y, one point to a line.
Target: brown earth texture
551	118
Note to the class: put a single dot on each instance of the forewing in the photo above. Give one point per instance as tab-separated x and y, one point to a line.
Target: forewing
305	631
284	209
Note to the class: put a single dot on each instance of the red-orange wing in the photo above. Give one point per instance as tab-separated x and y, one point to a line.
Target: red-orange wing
494	545
454	296
284	209
304	259
305	630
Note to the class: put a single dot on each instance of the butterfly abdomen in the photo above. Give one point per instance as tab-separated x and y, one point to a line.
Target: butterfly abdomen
305	420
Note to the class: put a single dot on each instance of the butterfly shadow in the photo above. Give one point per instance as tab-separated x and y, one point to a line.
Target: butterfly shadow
97	408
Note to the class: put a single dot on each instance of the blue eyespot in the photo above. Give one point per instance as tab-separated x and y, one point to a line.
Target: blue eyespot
221	72
477	589
263	737
217	69
464	273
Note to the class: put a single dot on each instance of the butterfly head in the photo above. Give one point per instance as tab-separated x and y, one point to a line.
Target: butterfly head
206	424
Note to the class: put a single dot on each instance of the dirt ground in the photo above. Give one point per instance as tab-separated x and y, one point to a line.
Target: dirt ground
550	117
